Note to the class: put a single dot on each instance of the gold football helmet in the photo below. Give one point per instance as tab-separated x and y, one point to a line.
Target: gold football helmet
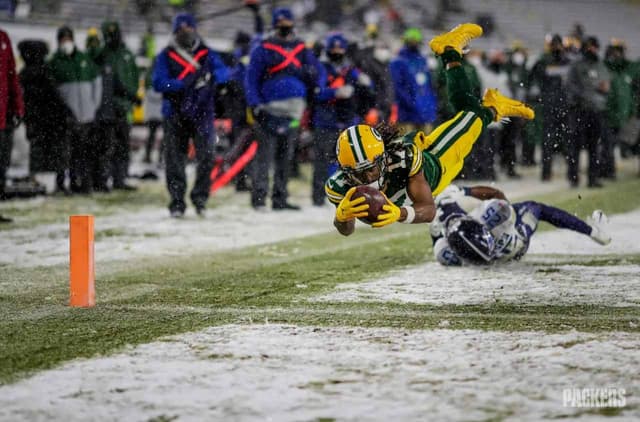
361	155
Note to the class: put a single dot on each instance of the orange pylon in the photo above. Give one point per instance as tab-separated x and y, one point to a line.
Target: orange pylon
81	261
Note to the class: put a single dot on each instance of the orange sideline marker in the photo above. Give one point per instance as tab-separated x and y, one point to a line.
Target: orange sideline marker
81	263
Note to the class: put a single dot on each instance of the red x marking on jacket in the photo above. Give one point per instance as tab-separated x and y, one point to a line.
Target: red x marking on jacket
289	56
187	67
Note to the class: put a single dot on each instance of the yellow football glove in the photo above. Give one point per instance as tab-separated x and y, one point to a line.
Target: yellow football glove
348	210
391	216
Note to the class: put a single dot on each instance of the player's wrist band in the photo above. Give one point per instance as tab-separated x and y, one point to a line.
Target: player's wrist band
411	215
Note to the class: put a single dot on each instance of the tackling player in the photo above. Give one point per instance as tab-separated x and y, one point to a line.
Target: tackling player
496	230
413	168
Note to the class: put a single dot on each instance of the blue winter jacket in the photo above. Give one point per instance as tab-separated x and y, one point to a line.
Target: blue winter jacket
330	112
414	92
271	75
185	90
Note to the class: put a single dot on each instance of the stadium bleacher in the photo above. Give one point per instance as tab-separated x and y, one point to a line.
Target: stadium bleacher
527	21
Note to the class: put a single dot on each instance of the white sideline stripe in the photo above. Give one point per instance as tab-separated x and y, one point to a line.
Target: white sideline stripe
443	142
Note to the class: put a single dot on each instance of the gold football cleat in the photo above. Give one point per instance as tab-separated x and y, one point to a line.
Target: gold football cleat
505	106
457	38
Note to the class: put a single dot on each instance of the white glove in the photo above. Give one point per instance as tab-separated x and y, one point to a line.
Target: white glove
450	194
202	81
344	92
364	79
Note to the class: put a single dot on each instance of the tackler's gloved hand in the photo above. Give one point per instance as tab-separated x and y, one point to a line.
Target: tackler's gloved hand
391	216
349	209
451	194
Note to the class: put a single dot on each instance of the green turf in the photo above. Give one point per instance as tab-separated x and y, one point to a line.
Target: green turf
139	302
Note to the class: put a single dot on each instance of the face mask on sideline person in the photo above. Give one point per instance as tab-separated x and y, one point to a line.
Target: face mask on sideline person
284	31
67	47
186	39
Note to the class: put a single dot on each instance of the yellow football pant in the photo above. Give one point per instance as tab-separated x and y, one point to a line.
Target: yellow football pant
450	143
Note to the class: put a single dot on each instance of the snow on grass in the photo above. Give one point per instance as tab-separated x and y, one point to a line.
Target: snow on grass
523	282
302	373
433	284
624	230
287	373
151	233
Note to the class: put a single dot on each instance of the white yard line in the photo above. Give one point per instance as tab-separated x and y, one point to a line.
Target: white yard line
288	373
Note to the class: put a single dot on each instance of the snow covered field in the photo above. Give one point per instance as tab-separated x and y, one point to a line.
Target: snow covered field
525	282
292	373
289	373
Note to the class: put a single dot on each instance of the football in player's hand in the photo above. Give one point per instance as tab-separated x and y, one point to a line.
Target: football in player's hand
374	198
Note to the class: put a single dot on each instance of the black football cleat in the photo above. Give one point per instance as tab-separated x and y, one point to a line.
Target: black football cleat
285	206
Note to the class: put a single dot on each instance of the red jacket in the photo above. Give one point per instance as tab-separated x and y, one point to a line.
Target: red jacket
11	103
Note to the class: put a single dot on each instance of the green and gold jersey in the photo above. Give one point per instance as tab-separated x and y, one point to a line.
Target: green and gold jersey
405	159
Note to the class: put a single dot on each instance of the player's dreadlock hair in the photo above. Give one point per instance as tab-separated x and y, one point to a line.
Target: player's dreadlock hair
389	133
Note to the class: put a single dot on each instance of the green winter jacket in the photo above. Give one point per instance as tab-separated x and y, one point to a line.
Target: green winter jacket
78	81
123	64
620	101
584	79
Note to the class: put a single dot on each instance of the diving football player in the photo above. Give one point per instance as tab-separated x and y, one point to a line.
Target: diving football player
411	169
